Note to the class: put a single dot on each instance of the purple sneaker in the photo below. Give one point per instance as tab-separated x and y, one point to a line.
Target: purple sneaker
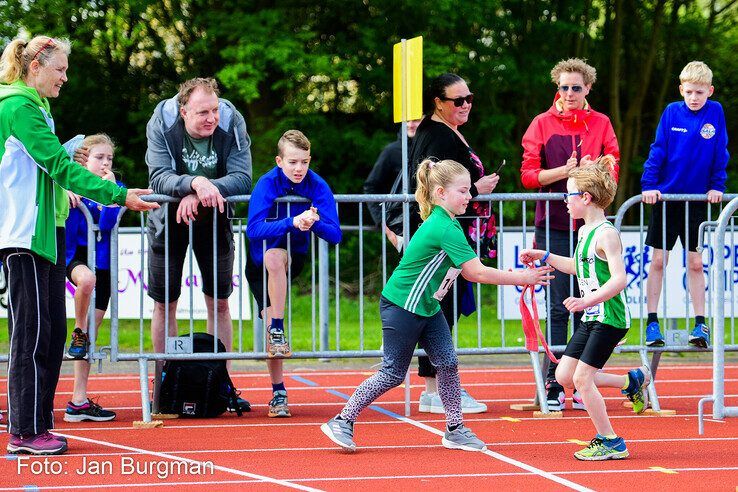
36	444
57	437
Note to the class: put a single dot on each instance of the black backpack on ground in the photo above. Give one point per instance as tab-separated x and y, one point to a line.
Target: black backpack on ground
198	388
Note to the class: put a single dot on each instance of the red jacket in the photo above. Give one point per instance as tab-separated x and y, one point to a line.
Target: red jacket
548	143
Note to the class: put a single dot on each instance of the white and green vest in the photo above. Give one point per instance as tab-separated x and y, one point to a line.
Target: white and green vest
592	273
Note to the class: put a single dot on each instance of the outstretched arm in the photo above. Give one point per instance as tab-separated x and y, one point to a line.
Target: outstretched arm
563	264
474	271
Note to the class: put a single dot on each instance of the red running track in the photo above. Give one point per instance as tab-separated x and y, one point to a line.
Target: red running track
257	453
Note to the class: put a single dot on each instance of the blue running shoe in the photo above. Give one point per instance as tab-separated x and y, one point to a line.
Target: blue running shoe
654	338
700	336
638	381
601	448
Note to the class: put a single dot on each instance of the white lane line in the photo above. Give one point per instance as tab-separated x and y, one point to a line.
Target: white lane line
385	477
503	458
167	456
493	370
387	447
433	430
374	422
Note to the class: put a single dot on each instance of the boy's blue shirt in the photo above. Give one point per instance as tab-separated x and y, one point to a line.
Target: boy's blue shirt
689	154
270	221
76	231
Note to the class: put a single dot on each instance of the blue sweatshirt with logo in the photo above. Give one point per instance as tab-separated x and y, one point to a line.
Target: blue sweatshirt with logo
690	152
270	221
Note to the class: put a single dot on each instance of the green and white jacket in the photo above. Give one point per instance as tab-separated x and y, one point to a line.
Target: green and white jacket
32	161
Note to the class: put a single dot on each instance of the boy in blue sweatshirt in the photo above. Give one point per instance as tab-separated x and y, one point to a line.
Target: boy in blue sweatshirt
689	156
271	225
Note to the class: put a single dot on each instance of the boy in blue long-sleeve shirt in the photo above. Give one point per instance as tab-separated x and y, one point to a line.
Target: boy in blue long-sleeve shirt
270	226
689	156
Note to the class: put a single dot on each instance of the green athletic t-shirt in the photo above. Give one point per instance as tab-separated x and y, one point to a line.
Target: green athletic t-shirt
592	273
430	265
199	156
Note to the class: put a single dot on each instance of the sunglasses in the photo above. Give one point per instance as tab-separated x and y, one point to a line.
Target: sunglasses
576	193
574	88
459	101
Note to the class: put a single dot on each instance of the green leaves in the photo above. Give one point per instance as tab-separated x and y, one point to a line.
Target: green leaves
326	67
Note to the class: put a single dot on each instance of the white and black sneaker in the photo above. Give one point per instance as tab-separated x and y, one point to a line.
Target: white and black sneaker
555	396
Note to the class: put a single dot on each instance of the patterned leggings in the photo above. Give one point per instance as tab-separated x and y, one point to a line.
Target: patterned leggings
401	331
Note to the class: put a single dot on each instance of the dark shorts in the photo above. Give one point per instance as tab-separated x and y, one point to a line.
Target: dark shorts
675	224
594	342
256	276
102	278
202	247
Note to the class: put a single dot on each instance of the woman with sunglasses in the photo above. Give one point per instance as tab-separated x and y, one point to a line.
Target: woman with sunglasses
568	135
33	166
448	102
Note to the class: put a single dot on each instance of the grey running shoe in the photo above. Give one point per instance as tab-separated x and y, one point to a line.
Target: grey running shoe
277	344
341	432
463	438
278	406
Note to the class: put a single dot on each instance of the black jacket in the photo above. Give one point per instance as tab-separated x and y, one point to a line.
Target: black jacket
432	139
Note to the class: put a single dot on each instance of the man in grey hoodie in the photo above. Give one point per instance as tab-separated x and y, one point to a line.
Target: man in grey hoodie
198	150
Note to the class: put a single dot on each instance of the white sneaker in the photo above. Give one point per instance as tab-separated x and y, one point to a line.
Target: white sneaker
470	405
430	403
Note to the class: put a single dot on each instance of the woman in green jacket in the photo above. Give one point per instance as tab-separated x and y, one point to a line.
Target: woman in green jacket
33	166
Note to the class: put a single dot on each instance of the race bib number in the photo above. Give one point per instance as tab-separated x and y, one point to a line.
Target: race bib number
588	286
448	281
595	310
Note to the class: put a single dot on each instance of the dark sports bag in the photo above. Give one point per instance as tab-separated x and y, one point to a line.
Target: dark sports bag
198	388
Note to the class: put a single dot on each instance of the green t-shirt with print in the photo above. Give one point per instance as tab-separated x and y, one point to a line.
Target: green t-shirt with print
430	265
199	156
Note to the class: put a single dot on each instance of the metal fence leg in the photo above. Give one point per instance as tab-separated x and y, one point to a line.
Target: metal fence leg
654	364
159	369
540	382
544	374
143	372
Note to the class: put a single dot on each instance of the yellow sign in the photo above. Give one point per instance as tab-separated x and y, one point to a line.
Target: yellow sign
408	90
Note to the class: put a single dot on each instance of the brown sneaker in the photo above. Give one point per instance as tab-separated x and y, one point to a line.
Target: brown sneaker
278	406
277	344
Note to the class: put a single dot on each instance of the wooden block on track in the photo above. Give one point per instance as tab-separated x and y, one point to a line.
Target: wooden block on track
164	416
549	415
651	411
140	424
524	407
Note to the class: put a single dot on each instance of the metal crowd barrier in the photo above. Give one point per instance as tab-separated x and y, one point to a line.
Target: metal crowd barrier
325	290
656	352
719	409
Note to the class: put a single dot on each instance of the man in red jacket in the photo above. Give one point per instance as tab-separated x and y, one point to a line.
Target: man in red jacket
568	135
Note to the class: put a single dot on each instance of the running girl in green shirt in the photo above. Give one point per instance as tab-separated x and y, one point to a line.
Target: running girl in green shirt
410	310
598	265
